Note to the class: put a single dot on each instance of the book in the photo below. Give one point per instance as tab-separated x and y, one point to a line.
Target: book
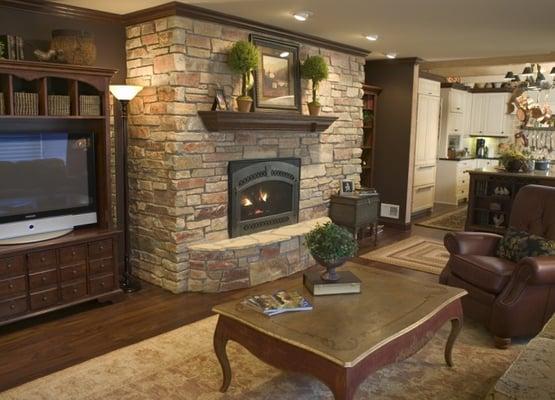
280	302
348	283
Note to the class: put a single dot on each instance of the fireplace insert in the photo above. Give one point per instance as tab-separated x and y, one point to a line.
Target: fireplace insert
263	194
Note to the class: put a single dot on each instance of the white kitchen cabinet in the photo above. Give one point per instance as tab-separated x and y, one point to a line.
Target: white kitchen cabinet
452	181
488	114
456	105
425	153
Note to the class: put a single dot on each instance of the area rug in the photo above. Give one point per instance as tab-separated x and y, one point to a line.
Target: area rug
416	252
450	221
181	365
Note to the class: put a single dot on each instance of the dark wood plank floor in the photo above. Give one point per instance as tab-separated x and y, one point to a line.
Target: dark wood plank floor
33	348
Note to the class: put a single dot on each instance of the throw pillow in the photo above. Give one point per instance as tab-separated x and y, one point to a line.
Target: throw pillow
516	245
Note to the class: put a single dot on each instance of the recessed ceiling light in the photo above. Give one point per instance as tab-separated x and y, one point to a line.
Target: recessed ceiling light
284	54
302	15
372	38
391	55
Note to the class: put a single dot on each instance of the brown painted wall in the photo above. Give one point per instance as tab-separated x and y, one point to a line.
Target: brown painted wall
36	28
394	126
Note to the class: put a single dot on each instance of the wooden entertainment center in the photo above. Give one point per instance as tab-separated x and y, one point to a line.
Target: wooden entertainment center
83	265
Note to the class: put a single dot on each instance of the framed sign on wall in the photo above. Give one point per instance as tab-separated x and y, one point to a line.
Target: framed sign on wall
277	83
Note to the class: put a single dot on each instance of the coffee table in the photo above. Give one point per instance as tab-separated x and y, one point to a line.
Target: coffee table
346	337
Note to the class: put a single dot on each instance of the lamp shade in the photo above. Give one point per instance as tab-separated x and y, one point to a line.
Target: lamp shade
527	71
125	92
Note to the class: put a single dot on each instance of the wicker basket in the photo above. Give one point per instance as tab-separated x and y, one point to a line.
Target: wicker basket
2	107
89	105
26	103
58	105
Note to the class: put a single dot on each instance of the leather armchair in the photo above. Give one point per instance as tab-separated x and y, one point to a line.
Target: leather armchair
511	299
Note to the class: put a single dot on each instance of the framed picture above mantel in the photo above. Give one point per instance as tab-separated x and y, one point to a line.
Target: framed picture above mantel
277	80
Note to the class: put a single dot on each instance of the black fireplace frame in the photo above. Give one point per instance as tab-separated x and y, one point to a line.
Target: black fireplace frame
243	174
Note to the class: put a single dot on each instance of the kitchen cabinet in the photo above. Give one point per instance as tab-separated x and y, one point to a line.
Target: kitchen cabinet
452	183
456	105
457	101
425	154
488	114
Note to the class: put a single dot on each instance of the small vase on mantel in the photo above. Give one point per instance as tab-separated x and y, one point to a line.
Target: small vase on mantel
244	104
314	109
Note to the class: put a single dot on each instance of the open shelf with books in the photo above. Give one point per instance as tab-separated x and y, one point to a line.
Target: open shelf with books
370	100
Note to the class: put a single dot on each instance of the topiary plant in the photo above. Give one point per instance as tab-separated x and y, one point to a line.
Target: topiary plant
330	243
243	59
315	69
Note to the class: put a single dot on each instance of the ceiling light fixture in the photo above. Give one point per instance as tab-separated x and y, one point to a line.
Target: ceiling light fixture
372	38
391	55
302	15
284	54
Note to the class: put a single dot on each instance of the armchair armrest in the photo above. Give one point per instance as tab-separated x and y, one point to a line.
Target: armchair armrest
537	270
471	243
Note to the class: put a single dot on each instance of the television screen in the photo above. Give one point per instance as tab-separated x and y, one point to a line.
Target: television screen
46	174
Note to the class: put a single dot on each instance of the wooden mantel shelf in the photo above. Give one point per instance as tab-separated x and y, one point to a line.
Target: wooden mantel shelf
263	121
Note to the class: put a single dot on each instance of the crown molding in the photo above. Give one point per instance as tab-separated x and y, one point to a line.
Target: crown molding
60	10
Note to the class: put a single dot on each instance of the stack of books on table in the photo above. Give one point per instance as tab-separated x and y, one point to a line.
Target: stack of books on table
348	283
278	303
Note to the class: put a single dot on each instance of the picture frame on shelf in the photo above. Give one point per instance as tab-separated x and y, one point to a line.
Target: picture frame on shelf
347	187
277	80
220	103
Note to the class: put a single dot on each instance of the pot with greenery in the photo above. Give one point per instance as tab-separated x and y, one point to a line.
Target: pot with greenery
243	59
514	159
315	69
331	246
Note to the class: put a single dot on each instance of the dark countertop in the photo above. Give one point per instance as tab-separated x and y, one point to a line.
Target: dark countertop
520	175
468	158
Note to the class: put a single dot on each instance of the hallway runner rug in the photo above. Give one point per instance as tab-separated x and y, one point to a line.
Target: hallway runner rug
418	253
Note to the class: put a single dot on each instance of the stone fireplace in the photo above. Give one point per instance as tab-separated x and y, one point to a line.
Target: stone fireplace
179	170
263	194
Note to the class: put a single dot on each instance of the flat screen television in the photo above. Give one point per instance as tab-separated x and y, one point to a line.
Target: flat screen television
47	184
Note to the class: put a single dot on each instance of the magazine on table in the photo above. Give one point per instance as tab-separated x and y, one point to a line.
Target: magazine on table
280	302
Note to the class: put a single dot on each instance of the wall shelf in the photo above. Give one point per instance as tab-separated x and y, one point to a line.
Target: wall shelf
263	121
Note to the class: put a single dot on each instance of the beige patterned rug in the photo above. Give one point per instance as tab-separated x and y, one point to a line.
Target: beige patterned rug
416	252
450	221
181	365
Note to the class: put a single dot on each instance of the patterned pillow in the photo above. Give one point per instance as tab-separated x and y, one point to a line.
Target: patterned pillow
516	245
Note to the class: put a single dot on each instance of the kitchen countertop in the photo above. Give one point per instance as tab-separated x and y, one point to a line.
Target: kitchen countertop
550	174
468	158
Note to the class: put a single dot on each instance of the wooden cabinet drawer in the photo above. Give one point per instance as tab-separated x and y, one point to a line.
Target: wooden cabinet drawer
74	291
12	286
100	249
422	198
13	307
424	175
102	266
42	259
43	279
44	299
102	284
73	272
429	87
12	266
72	255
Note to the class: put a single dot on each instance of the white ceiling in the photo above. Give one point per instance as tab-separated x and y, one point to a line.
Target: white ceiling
429	29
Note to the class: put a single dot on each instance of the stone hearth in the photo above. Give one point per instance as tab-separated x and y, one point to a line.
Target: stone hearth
178	169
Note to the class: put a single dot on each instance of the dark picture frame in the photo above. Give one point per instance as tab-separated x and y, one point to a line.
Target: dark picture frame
347	187
277	80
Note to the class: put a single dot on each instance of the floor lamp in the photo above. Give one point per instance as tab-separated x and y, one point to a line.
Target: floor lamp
124	94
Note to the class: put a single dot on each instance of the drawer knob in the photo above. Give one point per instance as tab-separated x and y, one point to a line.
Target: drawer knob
73	253
102	284
101	247
74	272
43	278
10	286
12	306
42	259
74	290
9	266
44	298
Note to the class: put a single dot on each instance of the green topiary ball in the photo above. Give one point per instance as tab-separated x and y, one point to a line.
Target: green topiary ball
243	57
331	242
315	69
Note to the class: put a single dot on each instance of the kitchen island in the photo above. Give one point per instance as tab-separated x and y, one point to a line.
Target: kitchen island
491	196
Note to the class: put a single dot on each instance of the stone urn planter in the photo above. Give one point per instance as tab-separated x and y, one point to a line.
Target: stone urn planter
331	274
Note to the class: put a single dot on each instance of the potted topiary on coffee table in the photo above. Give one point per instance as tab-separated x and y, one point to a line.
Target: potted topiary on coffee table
315	69
243	59
331	246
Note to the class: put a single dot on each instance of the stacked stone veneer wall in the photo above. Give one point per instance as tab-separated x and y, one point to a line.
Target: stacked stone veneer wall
178	170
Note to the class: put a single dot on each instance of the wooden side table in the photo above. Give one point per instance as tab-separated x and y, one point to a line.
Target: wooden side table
356	211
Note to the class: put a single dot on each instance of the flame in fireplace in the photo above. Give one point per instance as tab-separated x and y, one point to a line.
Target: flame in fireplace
263	196
246	202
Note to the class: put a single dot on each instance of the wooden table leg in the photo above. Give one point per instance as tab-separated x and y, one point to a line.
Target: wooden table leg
456	326
220	342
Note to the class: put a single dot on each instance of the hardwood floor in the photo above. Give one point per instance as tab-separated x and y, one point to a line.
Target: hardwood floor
39	346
